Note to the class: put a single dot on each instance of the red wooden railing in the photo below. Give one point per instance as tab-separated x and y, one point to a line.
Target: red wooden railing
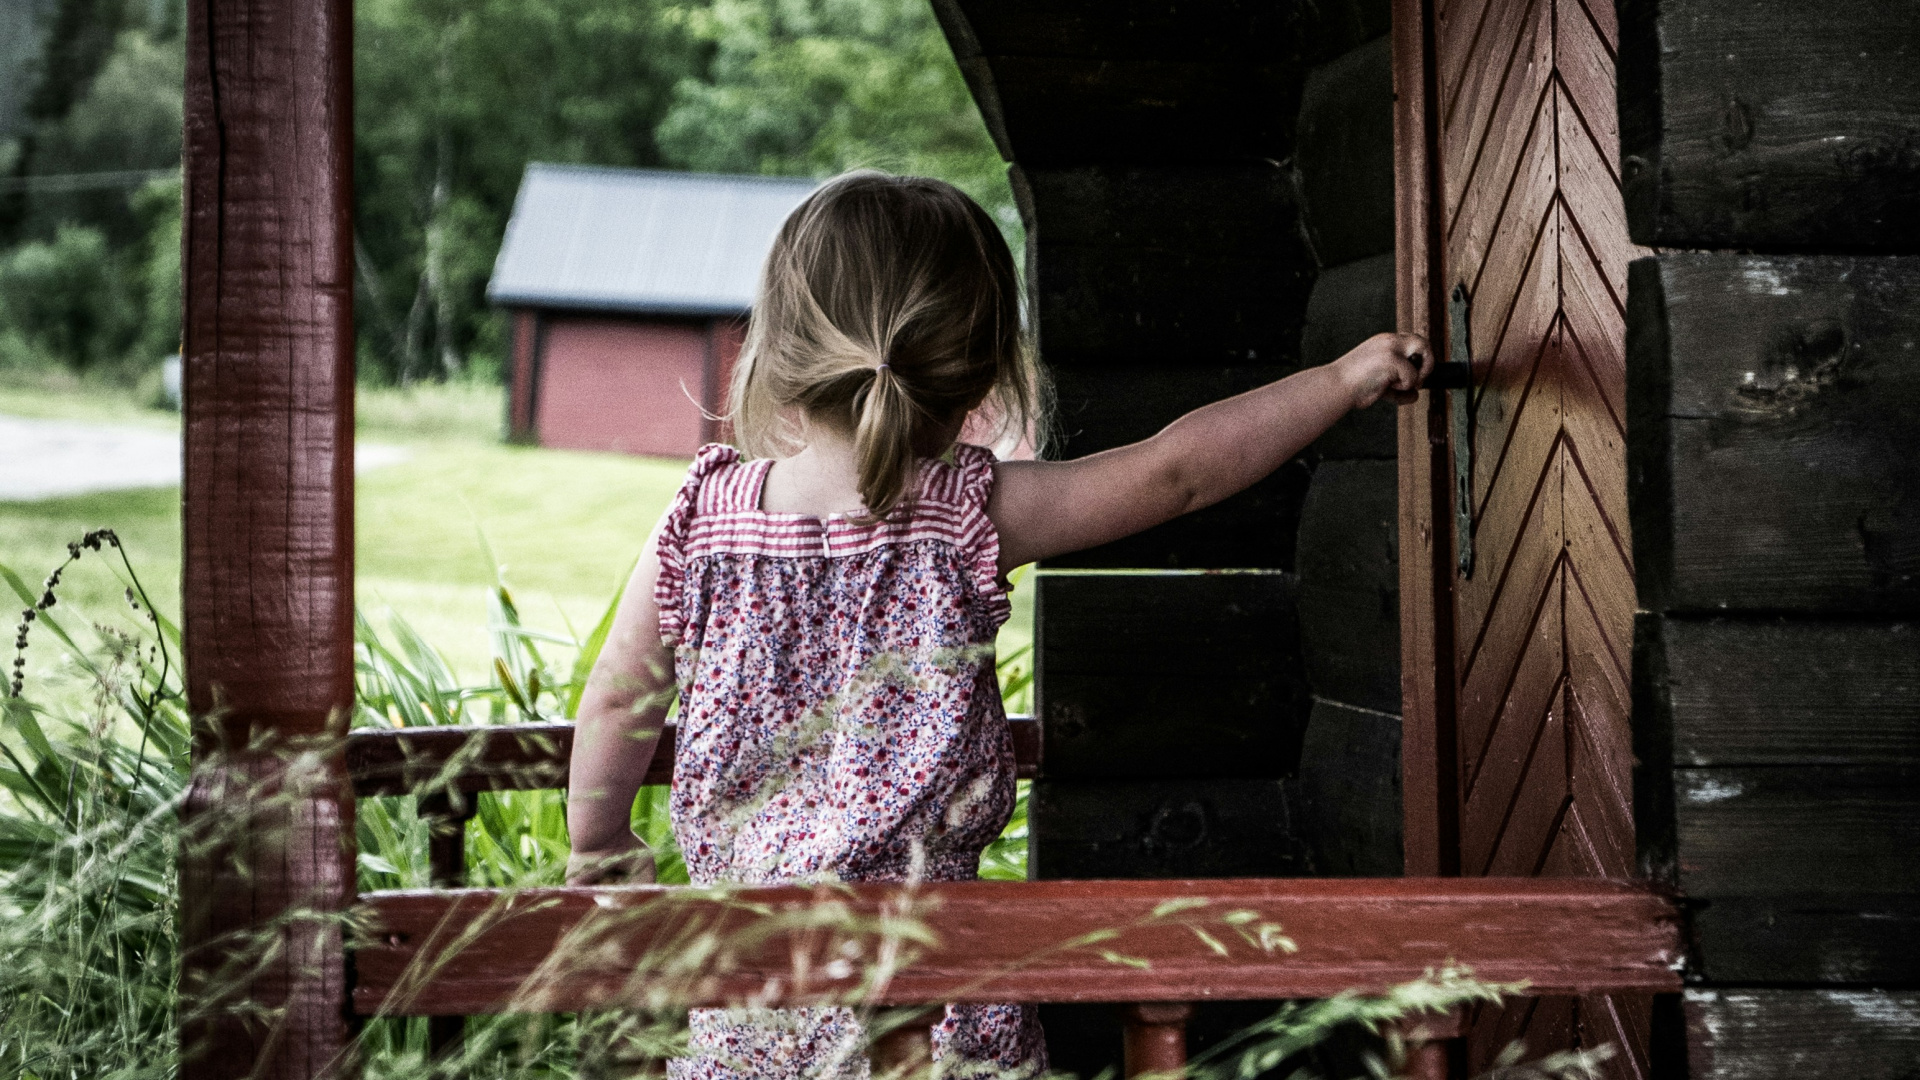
450	952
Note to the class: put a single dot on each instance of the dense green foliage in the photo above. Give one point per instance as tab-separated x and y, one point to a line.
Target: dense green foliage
452	101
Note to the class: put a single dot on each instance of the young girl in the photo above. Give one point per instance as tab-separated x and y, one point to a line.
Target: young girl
827	605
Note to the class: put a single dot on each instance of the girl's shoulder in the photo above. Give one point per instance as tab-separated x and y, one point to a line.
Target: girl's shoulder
962	480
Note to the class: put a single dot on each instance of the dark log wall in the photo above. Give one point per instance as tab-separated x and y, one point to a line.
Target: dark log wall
1773	422
1208	194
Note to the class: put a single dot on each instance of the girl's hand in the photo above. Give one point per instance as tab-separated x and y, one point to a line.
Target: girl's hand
1386	365
631	865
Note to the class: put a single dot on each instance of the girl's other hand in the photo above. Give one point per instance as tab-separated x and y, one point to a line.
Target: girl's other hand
1386	365
626	866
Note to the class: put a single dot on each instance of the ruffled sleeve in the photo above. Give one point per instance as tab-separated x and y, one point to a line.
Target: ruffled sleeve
672	547
979	539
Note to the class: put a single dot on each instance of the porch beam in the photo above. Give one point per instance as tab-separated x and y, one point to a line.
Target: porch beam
563	950
267	589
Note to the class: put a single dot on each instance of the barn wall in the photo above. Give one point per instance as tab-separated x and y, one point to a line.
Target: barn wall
623	385
1774	385
1208	198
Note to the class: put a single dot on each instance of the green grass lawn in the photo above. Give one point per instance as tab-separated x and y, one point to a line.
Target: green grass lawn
565	527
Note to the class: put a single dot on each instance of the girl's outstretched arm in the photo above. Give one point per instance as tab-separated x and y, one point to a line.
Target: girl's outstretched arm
1048	508
621	713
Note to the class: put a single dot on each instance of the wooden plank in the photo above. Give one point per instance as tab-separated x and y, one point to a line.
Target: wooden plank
1348	305
1792	1034
1344	155
267	517
1771	409
1159	828
1858	939
1429	774
1349	593
1788	692
480	950
523	757
1168	675
1063	111
1797	830
1102	305
1347	806
1242	208
1753	126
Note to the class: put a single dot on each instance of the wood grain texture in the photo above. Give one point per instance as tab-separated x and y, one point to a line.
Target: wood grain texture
1790	1034
1788	692
1428	775
1753	126
1798	830
1530	222
523	757
267	516
1349	593
1773	401
1815	939
1344	155
478	950
1168	675
1346	798
1160	828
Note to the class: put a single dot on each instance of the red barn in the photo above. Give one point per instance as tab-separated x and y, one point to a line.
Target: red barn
629	290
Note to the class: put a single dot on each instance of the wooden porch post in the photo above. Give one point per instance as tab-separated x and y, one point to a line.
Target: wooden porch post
268	522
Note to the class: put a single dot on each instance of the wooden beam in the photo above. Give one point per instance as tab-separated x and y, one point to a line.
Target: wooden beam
267	514
525	757
1753	125
1344	155
1771	401
1162	676
1160	828
1794	1034
544	950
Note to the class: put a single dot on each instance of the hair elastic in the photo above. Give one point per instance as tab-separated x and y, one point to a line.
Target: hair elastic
883	367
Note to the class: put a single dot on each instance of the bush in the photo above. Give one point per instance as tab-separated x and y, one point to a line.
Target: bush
68	302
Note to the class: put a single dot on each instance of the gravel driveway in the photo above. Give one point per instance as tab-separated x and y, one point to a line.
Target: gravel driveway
45	459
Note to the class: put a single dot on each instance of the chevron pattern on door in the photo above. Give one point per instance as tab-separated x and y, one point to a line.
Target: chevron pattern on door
1532	222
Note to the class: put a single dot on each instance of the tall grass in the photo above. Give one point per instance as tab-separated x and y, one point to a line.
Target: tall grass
91	786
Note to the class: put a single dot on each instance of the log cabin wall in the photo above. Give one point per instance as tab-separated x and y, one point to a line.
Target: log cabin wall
1208	197
1773	155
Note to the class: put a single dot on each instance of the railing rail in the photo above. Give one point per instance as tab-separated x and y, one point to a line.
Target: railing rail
450	952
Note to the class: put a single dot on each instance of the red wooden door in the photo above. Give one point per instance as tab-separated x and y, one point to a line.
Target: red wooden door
1522	215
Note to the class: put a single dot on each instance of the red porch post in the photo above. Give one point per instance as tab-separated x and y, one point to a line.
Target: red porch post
268	522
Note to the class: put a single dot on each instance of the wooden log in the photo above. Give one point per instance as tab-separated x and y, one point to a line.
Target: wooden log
1088	829
1103	306
525	757
1861	939
1797	830
1792	1034
1771	435
1238	30
1242	208
1754	126
267	518
1344	155
481	950
1346	800
1348	305
1168	675
1787	691
1348	561
1062	111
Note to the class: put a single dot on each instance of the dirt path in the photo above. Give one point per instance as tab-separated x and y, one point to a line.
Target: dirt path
45	459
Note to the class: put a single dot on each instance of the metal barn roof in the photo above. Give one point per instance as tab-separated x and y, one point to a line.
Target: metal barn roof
640	240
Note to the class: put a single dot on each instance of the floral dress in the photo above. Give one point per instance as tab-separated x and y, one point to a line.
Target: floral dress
840	720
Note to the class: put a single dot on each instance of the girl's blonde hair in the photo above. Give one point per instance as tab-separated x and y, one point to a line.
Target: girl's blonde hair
888	308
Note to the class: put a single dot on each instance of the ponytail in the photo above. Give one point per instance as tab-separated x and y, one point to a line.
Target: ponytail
885	418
